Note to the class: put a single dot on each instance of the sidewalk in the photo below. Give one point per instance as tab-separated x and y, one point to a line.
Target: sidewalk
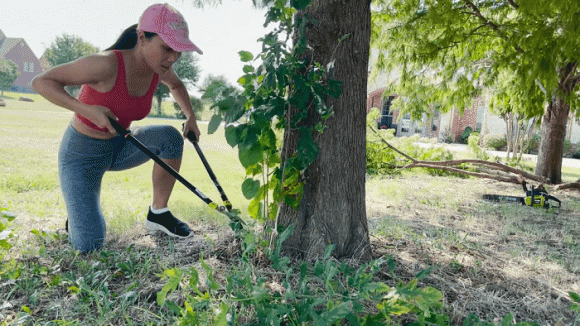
569	162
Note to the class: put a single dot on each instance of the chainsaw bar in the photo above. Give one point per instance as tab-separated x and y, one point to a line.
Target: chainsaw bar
505	199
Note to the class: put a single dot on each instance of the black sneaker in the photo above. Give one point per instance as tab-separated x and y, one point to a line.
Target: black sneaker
167	223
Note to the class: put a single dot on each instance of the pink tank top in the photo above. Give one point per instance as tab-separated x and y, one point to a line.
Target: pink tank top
124	106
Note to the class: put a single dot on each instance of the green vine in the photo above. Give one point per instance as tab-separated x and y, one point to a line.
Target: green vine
285	91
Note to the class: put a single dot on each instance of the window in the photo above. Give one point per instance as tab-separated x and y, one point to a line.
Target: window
31	67
25	67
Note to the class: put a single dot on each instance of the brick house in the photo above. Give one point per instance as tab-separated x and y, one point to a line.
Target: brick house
449	126
18	51
404	126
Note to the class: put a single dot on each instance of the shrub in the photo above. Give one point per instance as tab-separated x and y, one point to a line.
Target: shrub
380	160
384	160
494	141
473	144
568	148
465	135
532	145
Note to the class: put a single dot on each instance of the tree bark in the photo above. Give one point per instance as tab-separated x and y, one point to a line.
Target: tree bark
553	128
332	210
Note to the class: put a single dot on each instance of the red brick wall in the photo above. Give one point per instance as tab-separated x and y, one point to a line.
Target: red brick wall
469	118
375	99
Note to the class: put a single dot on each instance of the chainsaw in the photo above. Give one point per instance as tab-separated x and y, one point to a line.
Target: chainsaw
536	197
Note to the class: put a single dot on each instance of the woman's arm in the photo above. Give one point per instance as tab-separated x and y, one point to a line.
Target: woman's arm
181	96
92	70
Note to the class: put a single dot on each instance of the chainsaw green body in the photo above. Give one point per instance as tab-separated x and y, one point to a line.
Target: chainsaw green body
536	197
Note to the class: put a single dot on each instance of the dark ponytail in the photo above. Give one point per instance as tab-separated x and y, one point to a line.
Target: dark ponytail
128	40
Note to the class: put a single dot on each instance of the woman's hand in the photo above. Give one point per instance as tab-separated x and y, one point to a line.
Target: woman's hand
99	115
191	125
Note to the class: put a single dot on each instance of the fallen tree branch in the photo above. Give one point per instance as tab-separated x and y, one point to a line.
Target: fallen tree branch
565	186
510	174
510	179
494	165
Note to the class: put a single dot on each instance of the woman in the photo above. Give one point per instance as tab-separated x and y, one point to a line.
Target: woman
119	83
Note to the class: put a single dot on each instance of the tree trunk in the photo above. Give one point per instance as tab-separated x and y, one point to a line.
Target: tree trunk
553	129
508	118
333	209
159	99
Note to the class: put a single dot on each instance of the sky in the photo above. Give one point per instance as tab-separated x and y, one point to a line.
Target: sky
220	32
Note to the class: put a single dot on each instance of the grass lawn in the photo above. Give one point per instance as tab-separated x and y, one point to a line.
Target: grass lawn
31	134
486	259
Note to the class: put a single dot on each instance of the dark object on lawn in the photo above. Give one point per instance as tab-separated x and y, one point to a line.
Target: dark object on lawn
537	197
236	222
25	99
2	102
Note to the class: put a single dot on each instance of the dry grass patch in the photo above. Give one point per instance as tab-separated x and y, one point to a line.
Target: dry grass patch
489	259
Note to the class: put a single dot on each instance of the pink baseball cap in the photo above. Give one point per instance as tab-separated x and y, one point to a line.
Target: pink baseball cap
168	23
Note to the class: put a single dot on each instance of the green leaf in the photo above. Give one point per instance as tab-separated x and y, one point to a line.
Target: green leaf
299	4
328	251
574	296
254	208
211	283
250	155
306	145
232	136
8	215
26	309
174	275
250	188
73	289
173	306
221	318
214	123
507	320
248	69
246	56
336	314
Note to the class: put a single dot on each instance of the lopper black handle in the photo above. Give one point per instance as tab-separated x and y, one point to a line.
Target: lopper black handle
118	128
236	224
191	136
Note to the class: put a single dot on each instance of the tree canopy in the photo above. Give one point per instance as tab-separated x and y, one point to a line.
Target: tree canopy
447	52
8	74
67	48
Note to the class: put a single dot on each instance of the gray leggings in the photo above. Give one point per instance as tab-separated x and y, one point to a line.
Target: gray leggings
82	162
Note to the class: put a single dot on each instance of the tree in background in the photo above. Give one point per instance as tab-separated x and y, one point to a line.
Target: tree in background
215	88
196	104
451	50
514	109
67	48
187	69
8	74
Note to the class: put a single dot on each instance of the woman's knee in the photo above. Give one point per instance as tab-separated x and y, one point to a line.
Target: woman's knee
173	142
